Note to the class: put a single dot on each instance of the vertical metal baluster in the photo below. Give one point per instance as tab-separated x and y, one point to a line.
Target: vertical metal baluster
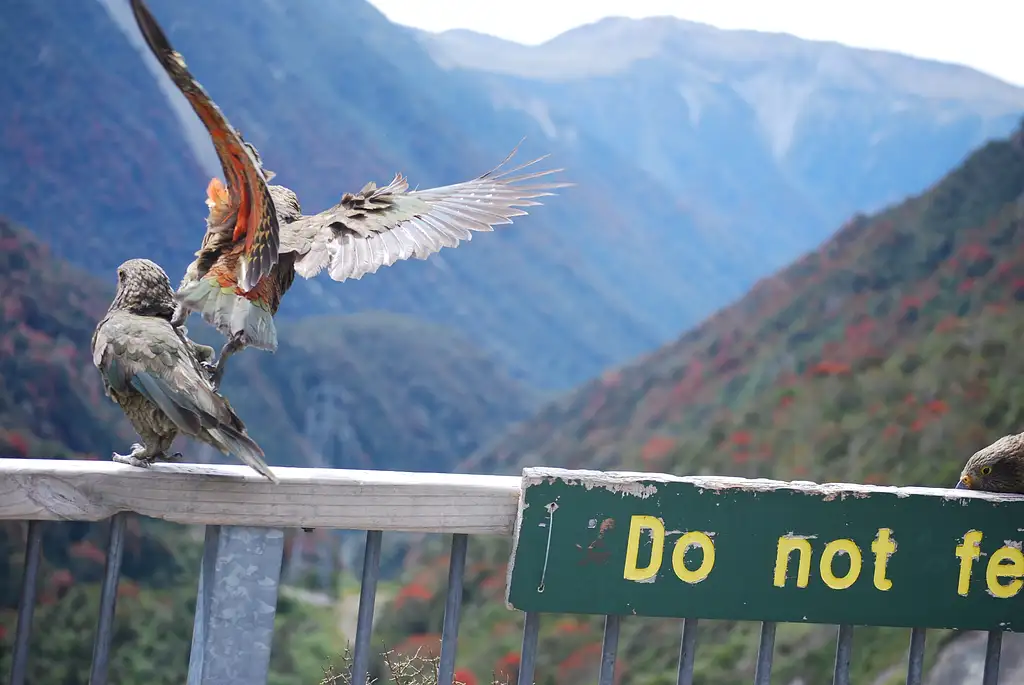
108	601
992	653
233	628
609	646
915	665
452	610
528	653
367	595
27	602
687	652
844	649
765	653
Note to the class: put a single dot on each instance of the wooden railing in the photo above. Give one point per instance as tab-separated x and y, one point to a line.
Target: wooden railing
244	546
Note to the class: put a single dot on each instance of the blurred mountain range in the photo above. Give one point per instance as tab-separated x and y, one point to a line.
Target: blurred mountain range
703	159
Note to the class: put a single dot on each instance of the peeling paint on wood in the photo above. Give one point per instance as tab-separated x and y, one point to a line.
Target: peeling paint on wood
732	548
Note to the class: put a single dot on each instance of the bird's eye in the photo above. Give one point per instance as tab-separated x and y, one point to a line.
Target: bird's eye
985	470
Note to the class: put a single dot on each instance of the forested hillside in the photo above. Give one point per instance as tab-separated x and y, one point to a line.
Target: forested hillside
884	356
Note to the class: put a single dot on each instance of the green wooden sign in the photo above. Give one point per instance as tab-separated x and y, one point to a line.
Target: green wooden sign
591	542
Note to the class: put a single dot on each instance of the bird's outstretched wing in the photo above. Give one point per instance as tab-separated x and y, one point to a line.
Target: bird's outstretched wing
248	200
379	226
146	354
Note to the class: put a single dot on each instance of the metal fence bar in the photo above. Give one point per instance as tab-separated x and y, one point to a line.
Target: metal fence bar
765	653
609	646
844	650
915	663
687	652
367	595
234	622
452	610
108	601
528	653
26	602
993	648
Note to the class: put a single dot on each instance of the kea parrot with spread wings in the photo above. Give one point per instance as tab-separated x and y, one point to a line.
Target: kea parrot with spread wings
257	238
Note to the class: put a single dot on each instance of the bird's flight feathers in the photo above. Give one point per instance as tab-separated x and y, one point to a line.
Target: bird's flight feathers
248	207
379	226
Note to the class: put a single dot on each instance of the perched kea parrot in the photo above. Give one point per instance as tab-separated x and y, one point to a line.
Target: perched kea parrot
257	238
996	468
155	373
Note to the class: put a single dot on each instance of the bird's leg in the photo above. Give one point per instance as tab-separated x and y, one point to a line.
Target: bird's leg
230	347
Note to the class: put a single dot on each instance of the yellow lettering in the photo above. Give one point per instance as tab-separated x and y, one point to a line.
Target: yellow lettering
968	551
883	547
636	524
997	569
707	547
848	547
787	545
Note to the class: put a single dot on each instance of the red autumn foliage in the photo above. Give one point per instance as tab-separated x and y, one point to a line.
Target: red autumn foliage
569	626
965	286
974	252
427	644
656	449
582	662
413	590
86	550
507	666
127	588
800	470
891	431
830	368
937	407
465	677
18	443
948	324
741	438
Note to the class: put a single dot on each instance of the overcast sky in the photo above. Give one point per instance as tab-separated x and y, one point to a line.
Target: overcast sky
985	34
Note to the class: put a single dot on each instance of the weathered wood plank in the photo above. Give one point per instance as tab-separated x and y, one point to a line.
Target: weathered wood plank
646	544
50	489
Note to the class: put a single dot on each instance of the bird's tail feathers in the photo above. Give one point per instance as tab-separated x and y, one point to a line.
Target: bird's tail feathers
245	448
225	310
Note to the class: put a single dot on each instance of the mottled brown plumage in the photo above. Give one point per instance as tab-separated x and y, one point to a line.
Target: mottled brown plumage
154	373
364	231
996	468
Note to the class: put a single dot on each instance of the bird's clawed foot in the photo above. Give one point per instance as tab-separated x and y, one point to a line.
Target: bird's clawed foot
211	370
132	458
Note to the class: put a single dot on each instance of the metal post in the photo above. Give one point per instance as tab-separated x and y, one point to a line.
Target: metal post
234	622
993	648
609	647
528	653
915	664
765	654
687	652
844	650
108	601
367	595
452	610
27	602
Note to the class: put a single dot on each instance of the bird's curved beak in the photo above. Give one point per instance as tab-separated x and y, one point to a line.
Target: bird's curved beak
964	483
